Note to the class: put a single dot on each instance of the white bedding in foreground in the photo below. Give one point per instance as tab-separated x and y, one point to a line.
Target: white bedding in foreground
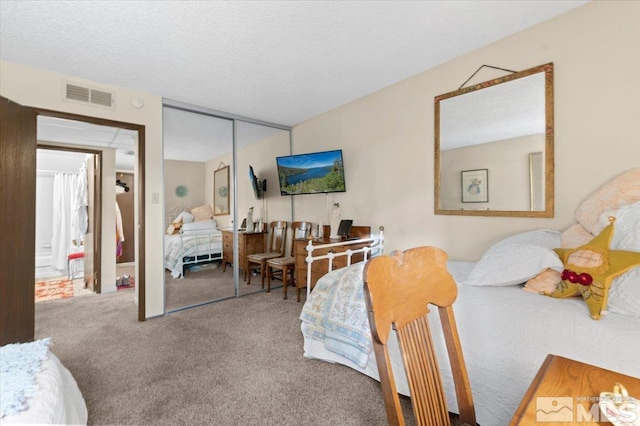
505	334
192	245
57	401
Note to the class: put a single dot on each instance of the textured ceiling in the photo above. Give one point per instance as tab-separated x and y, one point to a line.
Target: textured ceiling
282	62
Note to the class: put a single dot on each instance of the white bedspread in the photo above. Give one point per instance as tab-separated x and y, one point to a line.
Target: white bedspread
57	400
505	334
192	246
19	365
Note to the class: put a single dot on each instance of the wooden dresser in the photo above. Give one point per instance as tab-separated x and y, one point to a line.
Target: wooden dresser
320	267
566	391
248	243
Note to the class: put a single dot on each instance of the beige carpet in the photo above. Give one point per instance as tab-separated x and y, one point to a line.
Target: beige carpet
236	362
208	282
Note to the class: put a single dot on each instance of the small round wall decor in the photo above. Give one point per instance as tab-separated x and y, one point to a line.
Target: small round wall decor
223	191
181	191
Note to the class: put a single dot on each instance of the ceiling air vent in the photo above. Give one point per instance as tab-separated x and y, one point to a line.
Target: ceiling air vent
88	96
77	93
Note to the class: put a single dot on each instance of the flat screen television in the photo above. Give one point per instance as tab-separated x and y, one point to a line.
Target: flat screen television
259	186
313	173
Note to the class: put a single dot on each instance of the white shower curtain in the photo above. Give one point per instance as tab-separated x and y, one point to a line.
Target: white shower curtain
65	186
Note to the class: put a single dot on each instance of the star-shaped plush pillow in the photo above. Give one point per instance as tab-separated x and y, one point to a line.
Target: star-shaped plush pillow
590	268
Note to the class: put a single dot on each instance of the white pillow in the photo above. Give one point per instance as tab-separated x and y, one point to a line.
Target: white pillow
184	217
626	234
624	294
517	259
202	227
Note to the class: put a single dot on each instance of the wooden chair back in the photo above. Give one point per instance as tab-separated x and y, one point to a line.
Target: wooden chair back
277	237
299	229
397	290
286	265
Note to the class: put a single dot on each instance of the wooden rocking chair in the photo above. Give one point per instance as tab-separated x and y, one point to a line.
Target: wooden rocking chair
397	291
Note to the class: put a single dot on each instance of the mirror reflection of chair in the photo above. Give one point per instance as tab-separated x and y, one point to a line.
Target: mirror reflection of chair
397	290
286	265
275	248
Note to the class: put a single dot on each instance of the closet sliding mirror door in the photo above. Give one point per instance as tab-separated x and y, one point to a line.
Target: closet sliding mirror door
258	146
196	145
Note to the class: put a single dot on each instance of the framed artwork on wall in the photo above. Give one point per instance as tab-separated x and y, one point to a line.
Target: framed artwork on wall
475	186
221	192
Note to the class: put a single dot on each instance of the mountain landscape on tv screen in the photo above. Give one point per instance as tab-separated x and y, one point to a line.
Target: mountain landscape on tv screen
296	179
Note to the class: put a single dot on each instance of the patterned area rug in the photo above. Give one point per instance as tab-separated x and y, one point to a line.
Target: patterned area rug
54	288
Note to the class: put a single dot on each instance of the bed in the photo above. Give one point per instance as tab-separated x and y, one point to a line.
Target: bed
505	332
56	398
195	242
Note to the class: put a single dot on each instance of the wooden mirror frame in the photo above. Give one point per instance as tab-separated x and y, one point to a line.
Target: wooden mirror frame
220	183
548	212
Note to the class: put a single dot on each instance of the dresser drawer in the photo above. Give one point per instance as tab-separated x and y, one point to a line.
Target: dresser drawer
227	246
321	267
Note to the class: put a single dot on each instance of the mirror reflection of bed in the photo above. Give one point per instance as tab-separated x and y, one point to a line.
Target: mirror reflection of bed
198	149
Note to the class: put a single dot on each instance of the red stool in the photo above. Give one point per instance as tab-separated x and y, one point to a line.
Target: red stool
70	258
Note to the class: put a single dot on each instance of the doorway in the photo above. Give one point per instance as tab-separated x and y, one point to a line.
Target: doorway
18	139
67	223
108	191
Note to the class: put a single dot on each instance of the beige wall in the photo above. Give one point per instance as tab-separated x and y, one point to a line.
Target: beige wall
189	174
43	89
387	137
261	155
507	164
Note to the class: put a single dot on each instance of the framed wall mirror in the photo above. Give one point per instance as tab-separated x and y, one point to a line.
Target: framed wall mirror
221	192
504	126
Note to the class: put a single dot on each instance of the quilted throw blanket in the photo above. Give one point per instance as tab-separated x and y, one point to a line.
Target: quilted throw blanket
336	314
19	365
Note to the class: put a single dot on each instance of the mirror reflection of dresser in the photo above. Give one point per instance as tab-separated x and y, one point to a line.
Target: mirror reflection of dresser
503	126
248	243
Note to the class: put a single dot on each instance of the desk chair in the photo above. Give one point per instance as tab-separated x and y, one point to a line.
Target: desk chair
275	248
397	290
287	264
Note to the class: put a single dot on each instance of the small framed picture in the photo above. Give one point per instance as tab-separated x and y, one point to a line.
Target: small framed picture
475	186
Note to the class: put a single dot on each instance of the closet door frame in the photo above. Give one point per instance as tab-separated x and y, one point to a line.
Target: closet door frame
168	103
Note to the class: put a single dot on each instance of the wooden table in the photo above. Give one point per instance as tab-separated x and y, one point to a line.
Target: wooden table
567	392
